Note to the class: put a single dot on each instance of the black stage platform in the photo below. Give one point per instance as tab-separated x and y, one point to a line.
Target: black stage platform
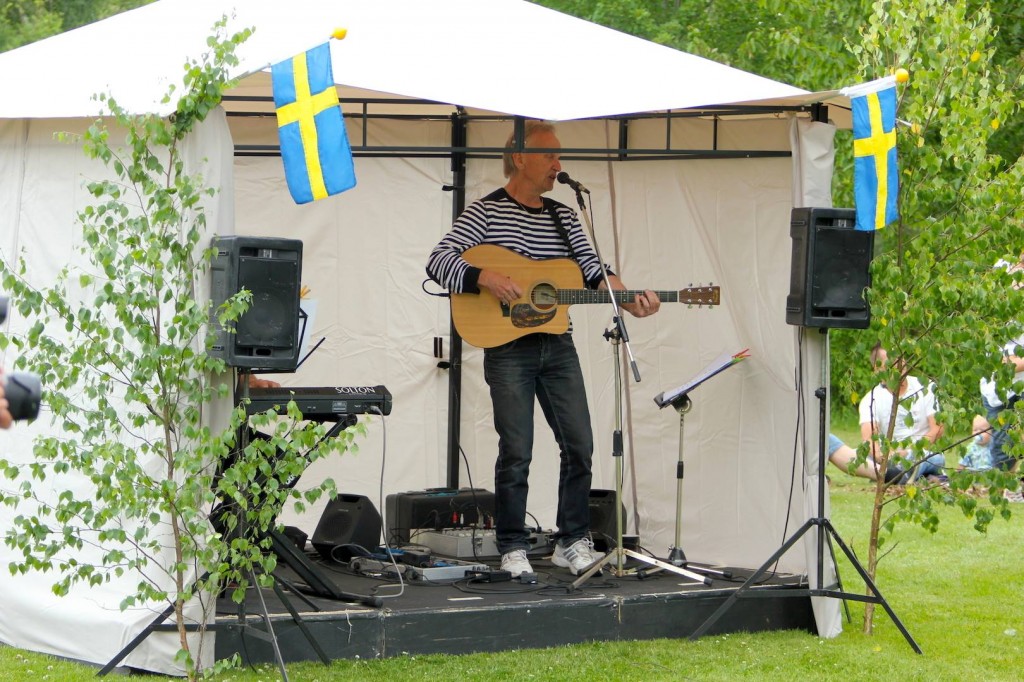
465	616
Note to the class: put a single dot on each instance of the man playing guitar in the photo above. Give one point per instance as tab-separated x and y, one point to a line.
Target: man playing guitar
536	365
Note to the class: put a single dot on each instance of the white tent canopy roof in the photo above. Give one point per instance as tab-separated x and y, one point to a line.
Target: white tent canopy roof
505	56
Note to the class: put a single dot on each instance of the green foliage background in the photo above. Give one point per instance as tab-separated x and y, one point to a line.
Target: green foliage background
26	21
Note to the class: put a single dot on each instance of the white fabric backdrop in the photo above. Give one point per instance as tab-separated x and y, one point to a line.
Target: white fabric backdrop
45	188
666	224
814	154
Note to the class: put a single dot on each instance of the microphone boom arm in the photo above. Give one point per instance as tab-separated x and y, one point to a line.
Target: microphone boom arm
620	323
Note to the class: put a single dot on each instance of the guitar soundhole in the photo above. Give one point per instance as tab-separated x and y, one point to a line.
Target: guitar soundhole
544	296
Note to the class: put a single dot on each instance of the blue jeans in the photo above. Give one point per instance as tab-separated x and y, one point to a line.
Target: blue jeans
544	366
932	466
1000	438
833	444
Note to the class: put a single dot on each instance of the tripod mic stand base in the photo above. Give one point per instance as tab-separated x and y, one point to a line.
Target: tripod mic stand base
620	555
676	557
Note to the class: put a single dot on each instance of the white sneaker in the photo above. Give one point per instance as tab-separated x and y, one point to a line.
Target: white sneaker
577	557
516	563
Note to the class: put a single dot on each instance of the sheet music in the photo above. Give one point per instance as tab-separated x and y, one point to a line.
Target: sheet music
719	364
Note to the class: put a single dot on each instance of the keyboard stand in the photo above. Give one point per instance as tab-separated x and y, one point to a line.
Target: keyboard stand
296	559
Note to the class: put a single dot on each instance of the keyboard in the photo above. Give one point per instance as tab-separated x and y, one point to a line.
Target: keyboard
321	402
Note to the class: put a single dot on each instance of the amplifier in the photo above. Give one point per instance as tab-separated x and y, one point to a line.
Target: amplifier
436	508
461	543
475	543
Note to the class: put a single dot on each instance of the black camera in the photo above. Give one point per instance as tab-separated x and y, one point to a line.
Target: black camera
23	390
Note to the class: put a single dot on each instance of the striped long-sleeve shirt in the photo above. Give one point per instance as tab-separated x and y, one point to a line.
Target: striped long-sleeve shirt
498	219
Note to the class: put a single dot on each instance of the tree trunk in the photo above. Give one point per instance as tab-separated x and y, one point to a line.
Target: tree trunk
876	522
881	486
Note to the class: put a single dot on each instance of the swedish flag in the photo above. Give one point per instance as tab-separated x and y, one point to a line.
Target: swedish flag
314	145
875	170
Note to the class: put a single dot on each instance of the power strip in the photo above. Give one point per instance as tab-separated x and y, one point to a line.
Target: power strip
454	571
437	570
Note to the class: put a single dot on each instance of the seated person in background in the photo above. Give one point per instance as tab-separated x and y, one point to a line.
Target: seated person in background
995	403
979	453
1013	354
916	408
842	455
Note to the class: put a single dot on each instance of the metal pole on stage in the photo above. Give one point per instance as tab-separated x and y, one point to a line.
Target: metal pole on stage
676	556
458	190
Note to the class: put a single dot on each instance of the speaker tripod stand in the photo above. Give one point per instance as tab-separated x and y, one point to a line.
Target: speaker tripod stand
825	533
618	556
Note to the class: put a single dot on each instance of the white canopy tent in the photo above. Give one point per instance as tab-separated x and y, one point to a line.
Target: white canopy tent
503	56
693	168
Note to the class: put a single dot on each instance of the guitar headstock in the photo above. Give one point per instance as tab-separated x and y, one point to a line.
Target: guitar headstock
709	295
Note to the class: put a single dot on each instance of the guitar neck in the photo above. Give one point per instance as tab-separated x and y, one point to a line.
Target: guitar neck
574	296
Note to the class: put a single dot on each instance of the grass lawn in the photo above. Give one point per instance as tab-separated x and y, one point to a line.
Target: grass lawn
958	593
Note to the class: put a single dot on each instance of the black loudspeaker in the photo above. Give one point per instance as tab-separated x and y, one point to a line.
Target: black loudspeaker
266	336
830	269
602	519
350	526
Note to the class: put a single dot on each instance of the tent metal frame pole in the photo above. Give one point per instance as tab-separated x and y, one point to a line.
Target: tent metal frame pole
459	150
566	153
458	166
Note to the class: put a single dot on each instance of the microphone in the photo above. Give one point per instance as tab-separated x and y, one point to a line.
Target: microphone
564	178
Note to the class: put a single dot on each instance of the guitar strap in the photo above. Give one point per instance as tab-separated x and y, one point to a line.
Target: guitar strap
549	206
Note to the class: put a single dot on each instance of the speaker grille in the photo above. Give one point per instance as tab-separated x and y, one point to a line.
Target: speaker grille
266	336
830	269
349	524
272	320
602	519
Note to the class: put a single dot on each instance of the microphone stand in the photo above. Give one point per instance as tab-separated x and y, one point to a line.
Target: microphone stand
618	556
620	324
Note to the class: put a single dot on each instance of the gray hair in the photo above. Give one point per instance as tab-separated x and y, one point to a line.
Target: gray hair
531	128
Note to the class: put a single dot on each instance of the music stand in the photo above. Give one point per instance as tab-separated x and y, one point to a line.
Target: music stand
679	398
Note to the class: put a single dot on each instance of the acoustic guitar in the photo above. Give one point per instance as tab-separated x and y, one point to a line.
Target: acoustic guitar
549	287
